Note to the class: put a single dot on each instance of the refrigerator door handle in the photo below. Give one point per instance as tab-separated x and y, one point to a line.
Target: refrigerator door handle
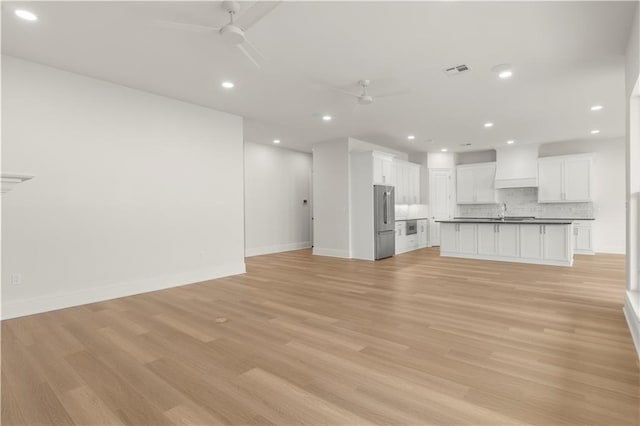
386	210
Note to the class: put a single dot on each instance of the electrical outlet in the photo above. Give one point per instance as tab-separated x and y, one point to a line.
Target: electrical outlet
16	279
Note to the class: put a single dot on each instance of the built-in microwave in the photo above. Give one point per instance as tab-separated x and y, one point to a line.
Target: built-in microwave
412	227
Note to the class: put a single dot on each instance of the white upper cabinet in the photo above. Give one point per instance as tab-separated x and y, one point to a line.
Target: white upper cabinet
550	180
577	182
565	179
407	182
475	184
414	184
382	169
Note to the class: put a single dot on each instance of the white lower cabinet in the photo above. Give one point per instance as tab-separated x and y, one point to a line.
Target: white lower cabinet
531	242
405	243
528	243
556	242
498	239
583	237
423	233
508	242
458	237
547	243
411	242
487	239
400	237
448	237
467	238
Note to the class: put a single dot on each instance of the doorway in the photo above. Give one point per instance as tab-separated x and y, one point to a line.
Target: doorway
439	201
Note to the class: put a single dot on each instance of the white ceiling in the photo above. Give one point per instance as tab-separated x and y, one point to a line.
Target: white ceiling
566	56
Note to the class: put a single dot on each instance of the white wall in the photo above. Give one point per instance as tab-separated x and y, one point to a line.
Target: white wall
132	192
474	157
277	181
632	99
360	145
331	198
608	188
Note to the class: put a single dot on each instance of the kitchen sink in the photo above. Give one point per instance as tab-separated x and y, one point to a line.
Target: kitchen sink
512	218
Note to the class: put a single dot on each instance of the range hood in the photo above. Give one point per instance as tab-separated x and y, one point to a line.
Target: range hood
517	167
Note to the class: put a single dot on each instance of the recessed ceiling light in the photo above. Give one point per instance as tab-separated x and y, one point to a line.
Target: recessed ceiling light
504	71
326	118
411	137
444	150
595	132
276	141
596	108
228	85
487	125
510	142
26	15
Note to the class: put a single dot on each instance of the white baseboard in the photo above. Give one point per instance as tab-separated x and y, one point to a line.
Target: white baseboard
611	250
257	251
19	308
318	251
508	259
633	320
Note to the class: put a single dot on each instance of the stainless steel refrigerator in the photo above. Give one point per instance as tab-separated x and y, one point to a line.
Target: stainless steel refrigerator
384	221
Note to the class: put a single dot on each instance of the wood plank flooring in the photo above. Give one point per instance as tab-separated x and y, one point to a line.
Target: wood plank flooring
415	339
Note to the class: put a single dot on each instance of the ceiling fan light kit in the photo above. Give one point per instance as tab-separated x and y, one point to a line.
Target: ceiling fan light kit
232	34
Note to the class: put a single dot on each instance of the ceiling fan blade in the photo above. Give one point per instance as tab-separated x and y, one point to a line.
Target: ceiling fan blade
388	94
254	13
254	48
344	92
188	27
248	55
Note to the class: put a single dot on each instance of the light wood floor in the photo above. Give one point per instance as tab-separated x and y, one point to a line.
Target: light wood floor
415	339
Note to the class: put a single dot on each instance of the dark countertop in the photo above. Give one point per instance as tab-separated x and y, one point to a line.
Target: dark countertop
542	221
527	217
567	218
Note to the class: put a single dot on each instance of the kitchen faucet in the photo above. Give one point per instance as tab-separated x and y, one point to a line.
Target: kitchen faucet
503	210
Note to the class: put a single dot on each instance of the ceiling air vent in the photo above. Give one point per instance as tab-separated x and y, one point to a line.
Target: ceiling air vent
458	69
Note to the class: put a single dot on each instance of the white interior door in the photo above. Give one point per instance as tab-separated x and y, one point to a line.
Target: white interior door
439	201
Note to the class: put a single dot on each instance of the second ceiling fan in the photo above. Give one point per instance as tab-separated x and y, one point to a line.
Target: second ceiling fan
364	98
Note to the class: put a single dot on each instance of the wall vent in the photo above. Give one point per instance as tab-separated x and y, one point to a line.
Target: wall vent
458	69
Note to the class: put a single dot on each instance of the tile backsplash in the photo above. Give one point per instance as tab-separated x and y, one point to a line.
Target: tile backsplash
411	211
524	202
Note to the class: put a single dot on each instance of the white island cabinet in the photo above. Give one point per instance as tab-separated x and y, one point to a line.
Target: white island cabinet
498	239
459	238
548	243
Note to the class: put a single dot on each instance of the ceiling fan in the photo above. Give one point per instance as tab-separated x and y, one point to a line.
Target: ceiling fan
365	98
234	32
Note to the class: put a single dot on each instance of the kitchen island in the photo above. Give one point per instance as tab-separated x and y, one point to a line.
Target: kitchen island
525	240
